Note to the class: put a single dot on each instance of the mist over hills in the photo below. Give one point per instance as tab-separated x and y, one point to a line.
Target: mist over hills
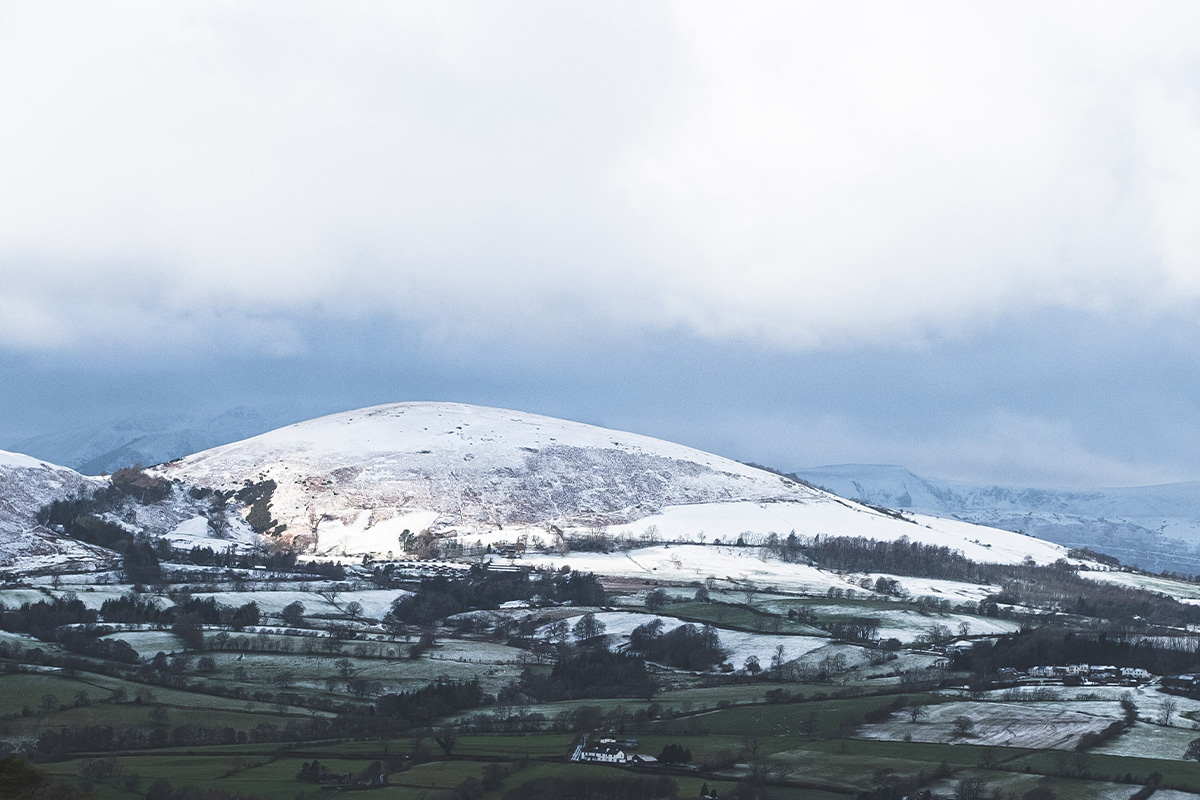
1154	527
152	439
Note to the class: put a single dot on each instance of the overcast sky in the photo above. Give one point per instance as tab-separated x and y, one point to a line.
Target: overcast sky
963	237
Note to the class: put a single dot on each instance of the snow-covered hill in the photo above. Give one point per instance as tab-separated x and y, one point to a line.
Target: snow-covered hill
27	484
1156	527
353	482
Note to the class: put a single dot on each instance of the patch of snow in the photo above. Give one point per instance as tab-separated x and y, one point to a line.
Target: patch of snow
196	532
365	534
753	522
690	563
1038	725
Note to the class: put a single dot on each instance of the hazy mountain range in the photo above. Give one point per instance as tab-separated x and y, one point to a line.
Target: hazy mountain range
1155	527
147	440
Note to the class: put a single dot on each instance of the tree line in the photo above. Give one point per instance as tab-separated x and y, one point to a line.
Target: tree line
440	597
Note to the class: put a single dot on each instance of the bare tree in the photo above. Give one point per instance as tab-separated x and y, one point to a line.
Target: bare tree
1166	711
752	747
781	770
447	739
778	659
917	712
558	631
970	789
963	725
588	627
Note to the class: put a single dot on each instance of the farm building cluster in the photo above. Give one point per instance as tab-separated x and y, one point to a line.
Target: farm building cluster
610	750
1088	673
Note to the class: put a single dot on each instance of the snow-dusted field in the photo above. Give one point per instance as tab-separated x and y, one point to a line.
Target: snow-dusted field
375	603
906	623
739	645
472	652
1041	725
195	532
147	643
954	591
690	563
1181	590
829	516
95	598
13	598
1146	740
371	533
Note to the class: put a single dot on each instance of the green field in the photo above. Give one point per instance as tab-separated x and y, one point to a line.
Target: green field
807	747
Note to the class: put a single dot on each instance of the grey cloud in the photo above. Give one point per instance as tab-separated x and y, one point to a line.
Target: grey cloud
801	175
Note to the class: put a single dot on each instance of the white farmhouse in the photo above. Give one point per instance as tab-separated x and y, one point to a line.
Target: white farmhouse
606	755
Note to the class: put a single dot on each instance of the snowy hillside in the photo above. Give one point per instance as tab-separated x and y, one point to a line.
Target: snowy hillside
1156	527
27	484
353	482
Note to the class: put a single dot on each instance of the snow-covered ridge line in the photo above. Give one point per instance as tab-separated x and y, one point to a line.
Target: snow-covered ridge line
18	460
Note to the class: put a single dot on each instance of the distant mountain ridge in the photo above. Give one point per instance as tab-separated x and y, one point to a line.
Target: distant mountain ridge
1155	527
108	447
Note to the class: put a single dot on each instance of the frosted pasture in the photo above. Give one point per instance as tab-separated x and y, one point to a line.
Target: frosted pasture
908	625
954	591
14	598
473	652
901	621
375	602
830	516
1181	590
195	532
1148	740
147	643
739	645
95	599
690	563
367	533
1038	725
